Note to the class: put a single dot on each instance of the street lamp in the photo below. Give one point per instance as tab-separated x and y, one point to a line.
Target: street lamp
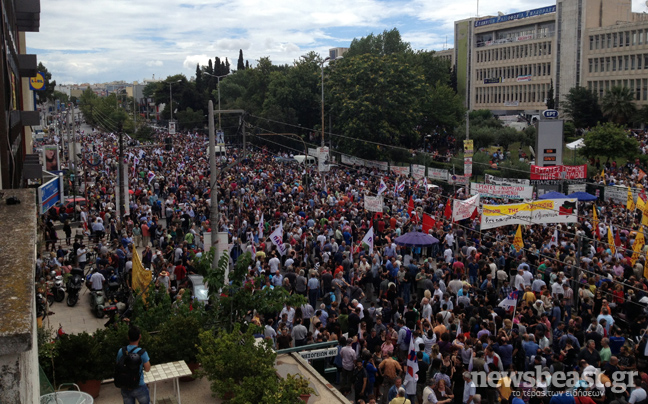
171	98
328	59
218	86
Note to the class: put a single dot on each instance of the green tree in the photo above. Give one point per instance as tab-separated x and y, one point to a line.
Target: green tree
618	105
583	107
240	65
551	101
387	43
377	98
189	119
48	93
609	140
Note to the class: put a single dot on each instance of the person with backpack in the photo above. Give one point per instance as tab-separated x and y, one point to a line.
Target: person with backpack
132	360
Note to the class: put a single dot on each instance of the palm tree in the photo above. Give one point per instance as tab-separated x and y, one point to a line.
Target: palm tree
618	105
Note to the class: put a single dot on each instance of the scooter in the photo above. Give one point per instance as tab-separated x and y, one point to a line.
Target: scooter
74	284
41	305
57	289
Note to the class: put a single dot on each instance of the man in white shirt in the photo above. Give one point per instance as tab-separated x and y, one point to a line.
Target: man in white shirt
97	280
519	280
274	263
290	314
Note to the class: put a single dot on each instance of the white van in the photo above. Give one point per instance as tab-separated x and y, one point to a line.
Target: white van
312	161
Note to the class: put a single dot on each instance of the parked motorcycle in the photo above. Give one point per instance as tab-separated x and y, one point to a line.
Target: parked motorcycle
100	305
74	284
58	291
41	305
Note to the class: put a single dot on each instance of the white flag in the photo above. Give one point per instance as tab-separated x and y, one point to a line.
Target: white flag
554	239
425	184
412	362
464	209
277	239
261	227
382	187
369	240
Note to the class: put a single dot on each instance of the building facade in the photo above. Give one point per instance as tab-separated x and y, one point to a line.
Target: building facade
509	64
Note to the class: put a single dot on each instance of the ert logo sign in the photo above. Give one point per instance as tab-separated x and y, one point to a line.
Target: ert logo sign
37	83
550	114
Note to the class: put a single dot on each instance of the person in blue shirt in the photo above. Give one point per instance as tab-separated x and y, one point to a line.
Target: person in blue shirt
140	393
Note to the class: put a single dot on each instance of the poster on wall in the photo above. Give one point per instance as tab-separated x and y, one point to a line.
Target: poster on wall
401	170
545	211
51	158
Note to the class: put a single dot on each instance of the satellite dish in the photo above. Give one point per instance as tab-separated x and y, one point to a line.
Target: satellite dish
499	13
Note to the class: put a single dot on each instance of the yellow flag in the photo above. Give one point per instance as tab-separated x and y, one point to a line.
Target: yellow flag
141	277
637	247
644	218
640	204
612	246
595	223
518	242
631	205
603	176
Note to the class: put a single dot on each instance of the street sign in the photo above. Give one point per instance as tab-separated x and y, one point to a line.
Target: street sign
550	114
172	128
319	353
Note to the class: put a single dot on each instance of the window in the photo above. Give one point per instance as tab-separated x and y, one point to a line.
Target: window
609	40
620	39
640	37
615	40
596	65
548	69
638	62
634	38
626	63
627	38
614	62
645	88
602	63
632	62
645	61
591	42
607	64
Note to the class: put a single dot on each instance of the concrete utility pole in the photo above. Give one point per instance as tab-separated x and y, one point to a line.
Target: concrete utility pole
71	133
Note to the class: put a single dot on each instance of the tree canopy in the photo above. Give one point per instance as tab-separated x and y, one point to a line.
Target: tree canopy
609	140
583	107
617	105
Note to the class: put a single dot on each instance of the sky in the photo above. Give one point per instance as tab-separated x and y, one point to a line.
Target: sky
97	41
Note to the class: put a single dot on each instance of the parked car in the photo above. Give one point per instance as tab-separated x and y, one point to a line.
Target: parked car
67	207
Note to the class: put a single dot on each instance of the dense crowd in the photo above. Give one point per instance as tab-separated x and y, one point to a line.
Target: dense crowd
578	300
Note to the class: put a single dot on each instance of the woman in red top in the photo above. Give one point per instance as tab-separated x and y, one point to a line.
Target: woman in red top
618	295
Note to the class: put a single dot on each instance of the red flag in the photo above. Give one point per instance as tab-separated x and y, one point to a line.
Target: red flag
428	223
448	210
617	239
643	196
410	206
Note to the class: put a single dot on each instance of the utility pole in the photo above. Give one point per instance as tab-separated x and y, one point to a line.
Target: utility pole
120	174
213	176
71	133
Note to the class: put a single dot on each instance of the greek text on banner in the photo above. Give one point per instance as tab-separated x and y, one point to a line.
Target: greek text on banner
547	211
373	203
501	191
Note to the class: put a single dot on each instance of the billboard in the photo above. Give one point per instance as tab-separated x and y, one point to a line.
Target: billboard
438	174
549	143
418	171
559	172
546	211
51	158
401	170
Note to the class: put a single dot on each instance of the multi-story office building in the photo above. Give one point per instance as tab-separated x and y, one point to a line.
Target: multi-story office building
509	63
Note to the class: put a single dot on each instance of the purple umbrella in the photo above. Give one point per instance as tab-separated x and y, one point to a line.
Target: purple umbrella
415	238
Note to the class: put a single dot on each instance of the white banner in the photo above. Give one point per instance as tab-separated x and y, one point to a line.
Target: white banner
323	165
571	188
381	165
418	171
399	170
491	179
438	174
546	211
464	209
468	166
277	239
501	191
373	203
350	160
619	194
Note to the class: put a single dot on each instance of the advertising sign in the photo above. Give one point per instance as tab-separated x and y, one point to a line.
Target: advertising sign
493	80
515	16
468	166
49	194
438	174
501	191
546	211
526	77
51	158
373	203
491	179
323	163
418	171
549	143
399	170
559	172
469	148
37	83
172	128
350	160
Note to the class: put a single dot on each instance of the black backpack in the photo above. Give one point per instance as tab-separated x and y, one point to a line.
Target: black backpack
127	369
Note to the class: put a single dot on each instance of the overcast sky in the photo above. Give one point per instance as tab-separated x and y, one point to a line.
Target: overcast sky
104	40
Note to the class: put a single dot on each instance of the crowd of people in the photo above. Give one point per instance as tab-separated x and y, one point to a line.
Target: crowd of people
579	301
